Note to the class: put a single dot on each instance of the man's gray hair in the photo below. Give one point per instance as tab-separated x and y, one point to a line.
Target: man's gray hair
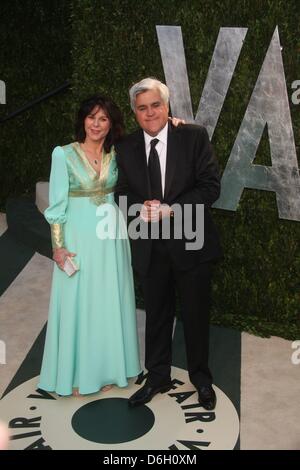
148	84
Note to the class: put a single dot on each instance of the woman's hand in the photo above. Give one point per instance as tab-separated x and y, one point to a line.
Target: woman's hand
176	121
59	256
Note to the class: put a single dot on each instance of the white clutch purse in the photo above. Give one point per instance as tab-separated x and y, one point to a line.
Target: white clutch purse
70	267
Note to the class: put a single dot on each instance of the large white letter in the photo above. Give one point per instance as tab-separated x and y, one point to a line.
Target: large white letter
269	105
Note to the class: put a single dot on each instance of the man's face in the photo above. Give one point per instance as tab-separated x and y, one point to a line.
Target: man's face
151	112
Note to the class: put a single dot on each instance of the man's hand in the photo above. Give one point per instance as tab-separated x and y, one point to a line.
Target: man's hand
59	256
176	121
165	211
154	211
149	210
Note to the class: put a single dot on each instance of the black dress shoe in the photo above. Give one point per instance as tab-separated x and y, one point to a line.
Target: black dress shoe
207	397
146	393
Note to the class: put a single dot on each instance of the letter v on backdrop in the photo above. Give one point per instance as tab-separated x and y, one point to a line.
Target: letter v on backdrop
268	106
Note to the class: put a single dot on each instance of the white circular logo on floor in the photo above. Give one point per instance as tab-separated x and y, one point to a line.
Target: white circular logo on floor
173	420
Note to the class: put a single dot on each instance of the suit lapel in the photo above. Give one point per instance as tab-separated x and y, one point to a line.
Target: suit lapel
173	153
141	164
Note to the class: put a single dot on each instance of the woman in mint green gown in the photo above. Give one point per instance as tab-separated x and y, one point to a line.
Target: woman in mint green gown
91	339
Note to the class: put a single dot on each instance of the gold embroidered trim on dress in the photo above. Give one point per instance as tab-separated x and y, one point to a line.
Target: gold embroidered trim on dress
98	192
57	235
93	174
91	192
106	159
100	198
97	196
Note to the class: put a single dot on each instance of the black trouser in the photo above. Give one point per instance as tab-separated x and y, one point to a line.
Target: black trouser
194	287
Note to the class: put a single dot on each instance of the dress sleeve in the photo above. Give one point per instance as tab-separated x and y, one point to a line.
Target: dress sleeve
55	214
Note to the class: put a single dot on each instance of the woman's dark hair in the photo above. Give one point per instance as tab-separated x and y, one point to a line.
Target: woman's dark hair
111	110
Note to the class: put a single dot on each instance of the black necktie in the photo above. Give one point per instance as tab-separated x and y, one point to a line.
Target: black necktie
154	172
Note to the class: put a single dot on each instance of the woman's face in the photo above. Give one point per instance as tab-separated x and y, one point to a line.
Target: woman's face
96	125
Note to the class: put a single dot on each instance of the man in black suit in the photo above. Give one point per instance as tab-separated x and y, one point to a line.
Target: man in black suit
167	171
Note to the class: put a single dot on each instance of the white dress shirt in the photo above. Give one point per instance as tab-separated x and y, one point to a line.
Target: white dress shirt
161	148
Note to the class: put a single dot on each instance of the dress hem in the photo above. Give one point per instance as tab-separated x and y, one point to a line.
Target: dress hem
52	390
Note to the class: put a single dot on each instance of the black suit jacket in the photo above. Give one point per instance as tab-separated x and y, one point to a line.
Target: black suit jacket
192	177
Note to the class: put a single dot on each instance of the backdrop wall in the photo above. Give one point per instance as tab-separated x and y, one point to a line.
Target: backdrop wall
106	46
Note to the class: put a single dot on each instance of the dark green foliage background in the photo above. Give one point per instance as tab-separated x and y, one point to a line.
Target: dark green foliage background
113	43
35	58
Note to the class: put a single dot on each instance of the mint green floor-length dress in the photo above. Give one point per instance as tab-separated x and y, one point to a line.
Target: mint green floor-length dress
91	338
